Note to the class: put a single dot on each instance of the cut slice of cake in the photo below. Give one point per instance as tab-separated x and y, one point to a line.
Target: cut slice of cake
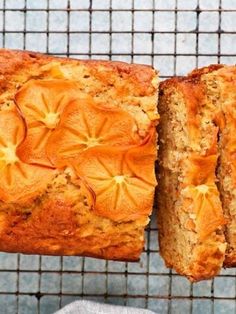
190	215
221	87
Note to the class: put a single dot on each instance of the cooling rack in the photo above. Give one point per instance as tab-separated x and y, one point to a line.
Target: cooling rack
175	36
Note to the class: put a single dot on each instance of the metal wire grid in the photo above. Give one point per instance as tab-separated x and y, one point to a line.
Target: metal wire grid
173	35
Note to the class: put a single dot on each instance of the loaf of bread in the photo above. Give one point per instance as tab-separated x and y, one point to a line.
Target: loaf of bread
191	217
77	155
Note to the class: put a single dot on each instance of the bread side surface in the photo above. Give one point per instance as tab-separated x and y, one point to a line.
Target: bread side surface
190	216
60	217
223	82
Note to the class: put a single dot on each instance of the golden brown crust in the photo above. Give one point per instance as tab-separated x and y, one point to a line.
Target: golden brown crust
12	62
61	219
52	229
196	203
205	70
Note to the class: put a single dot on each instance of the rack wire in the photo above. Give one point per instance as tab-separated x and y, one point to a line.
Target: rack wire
175	36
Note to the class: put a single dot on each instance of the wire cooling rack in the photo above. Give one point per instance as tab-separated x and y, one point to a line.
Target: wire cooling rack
173	35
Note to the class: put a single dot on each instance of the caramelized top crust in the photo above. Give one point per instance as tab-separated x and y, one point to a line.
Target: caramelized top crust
20	65
205	70
68	111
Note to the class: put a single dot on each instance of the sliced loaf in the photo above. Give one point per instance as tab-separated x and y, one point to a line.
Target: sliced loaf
221	91
190	216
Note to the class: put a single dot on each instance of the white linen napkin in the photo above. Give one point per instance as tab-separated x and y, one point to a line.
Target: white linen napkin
90	307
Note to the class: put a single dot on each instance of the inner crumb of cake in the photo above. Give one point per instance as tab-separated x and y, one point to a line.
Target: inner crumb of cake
222	95
180	137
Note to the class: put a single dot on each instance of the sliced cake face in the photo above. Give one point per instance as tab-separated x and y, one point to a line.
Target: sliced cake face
77	155
222	84
190	215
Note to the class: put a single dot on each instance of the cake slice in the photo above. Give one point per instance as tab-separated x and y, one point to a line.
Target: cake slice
190	215
222	92
77	155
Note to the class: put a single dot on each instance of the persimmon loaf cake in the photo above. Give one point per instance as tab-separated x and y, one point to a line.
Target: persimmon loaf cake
77	155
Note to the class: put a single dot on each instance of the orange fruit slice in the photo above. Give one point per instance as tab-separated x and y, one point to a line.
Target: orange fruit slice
122	180
13	128
85	124
200	169
42	103
207	207
19	181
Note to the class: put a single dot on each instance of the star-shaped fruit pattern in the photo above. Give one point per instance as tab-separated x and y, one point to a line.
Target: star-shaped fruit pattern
123	180
85	124
19	181
207	207
42	103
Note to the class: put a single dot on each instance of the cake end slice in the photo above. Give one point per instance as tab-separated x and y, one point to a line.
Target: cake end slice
190	216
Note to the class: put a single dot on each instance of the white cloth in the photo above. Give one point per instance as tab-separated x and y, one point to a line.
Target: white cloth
90	307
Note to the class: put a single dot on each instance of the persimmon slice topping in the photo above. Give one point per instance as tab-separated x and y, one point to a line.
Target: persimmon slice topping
207	207
122	180
12	133
200	170
42	102
85	124
19	181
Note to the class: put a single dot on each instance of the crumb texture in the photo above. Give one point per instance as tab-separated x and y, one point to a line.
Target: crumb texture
224	81
77	155
190	215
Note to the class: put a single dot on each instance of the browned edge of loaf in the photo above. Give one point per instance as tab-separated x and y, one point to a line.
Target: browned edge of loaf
13	62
